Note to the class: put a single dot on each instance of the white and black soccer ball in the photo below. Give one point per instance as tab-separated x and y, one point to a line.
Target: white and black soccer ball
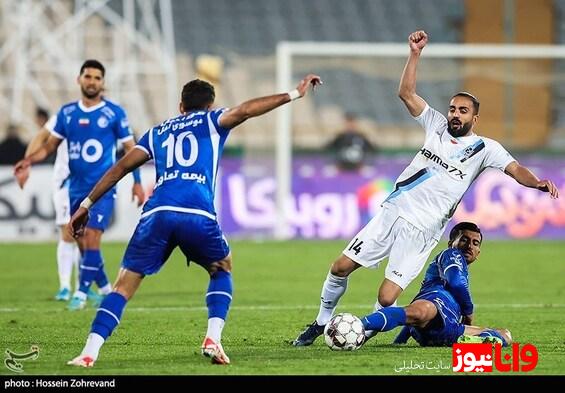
344	332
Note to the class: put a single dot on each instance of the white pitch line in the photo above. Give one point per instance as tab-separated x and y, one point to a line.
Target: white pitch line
280	308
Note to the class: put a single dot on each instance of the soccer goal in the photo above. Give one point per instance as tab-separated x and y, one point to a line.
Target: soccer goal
520	88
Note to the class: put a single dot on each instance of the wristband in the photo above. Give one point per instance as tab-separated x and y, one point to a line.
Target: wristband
294	94
86	203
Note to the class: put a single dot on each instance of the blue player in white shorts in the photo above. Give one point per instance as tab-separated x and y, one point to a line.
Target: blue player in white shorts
92	127
186	150
442	312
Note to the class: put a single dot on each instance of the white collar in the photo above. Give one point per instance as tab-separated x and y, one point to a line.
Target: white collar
85	108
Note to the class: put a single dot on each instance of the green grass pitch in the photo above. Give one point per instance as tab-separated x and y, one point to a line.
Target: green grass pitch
519	285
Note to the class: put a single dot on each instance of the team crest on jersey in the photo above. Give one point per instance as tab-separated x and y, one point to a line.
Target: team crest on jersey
469	151
457	260
102	122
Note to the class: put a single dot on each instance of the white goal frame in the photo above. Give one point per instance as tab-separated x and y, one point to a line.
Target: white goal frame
287	50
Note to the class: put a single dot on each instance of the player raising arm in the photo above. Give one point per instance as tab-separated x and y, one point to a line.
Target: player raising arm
413	217
92	128
186	150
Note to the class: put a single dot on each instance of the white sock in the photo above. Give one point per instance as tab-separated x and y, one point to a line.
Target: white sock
93	344
334	287
65	254
106	289
215	327
76	263
378	306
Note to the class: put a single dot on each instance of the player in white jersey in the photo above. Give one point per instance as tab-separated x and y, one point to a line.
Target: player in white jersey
68	253
411	220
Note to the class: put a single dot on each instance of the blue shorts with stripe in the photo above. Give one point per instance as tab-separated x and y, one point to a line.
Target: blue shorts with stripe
99	213
156	236
446	327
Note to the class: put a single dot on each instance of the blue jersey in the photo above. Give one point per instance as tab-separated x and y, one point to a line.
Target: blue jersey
186	150
449	272
92	134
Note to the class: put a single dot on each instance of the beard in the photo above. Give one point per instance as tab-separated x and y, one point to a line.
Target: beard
461	131
90	95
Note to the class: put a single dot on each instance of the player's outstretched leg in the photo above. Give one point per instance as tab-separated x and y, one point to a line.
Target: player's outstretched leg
372	333
106	320
385	319
218	299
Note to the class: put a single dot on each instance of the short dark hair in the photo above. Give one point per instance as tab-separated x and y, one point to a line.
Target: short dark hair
464	226
91	63
42	112
197	94
473	99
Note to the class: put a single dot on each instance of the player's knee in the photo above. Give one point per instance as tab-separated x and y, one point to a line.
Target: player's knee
127	283
417	314
343	266
223	265
66	236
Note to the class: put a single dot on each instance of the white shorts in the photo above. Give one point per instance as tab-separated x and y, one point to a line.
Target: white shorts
389	235
62	205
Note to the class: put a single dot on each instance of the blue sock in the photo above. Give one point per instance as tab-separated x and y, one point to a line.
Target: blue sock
218	297
89	267
108	315
385	319
101	277
494	333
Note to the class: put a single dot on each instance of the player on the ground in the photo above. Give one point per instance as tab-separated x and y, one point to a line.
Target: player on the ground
186	151
411	220
92	127
442	312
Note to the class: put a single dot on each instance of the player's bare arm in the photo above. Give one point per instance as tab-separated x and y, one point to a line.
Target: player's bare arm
21	169
132	160
467	319
262	105
407	89
526	178
137	192
37	141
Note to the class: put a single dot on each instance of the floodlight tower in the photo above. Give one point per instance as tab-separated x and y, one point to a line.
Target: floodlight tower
43	44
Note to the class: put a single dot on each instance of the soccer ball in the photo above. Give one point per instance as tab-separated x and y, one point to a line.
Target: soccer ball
344	332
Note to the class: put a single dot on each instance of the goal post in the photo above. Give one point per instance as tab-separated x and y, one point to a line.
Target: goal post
287	52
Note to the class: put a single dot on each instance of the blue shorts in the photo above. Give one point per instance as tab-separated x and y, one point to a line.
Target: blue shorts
156	236
100	213
446	327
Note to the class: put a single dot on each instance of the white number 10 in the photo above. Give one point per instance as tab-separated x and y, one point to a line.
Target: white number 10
176	148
